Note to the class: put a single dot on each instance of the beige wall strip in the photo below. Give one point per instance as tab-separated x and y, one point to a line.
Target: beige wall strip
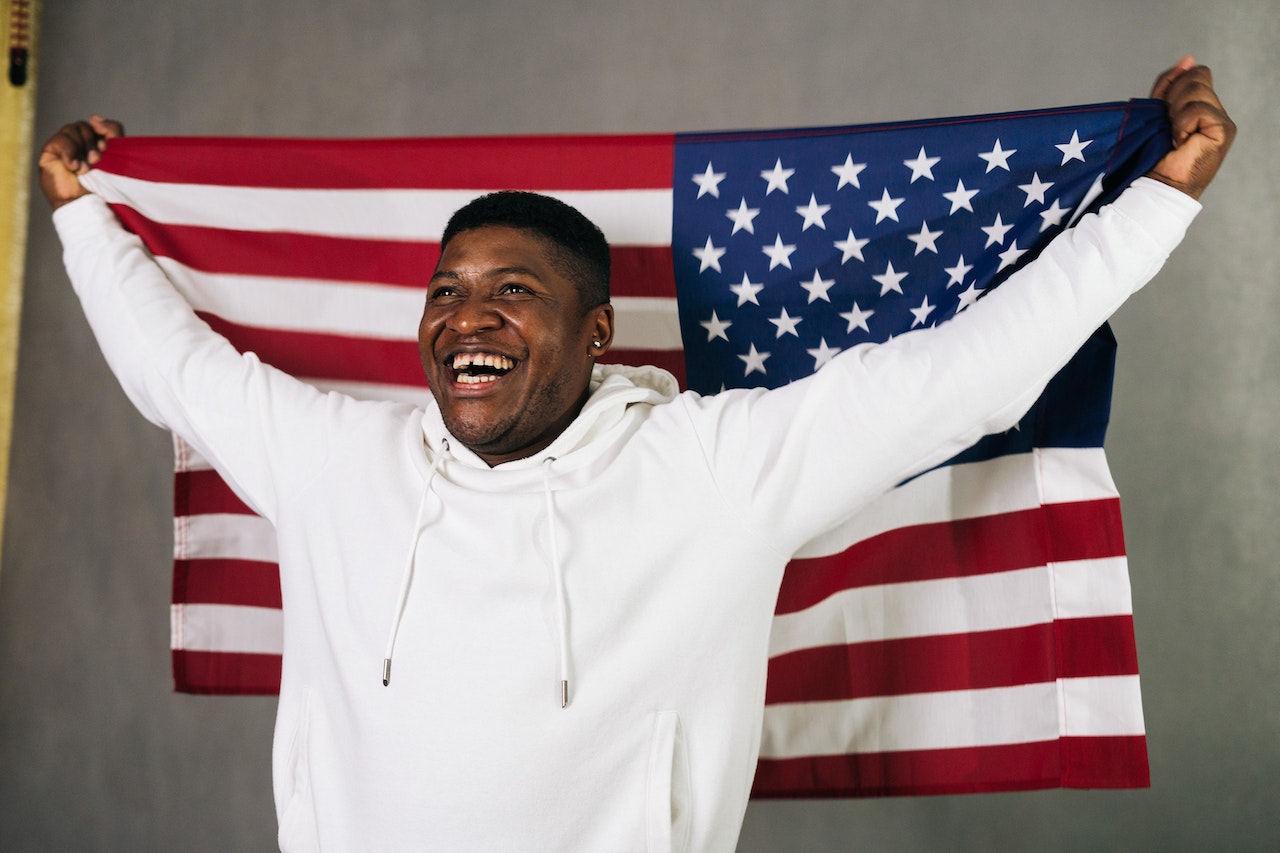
17	109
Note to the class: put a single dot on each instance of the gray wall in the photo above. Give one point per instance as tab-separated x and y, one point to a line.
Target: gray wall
96	753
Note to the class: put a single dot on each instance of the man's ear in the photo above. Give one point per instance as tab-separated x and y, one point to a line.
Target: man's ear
602	330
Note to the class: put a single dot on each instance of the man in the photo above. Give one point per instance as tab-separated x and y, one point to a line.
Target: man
573	567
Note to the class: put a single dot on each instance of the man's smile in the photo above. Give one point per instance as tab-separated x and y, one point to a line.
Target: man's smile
474	368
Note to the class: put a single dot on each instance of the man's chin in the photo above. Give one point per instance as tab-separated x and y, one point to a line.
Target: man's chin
478	434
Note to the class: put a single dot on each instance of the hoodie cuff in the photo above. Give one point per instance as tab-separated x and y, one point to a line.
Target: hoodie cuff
1158	209
85	215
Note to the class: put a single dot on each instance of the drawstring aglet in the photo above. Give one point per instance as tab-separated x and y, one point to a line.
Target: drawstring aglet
564	693
386	672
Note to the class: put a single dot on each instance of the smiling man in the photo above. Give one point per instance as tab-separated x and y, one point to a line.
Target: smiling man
517	312
573	566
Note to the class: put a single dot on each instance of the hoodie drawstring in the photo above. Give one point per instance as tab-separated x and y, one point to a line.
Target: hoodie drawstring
558	572
406	578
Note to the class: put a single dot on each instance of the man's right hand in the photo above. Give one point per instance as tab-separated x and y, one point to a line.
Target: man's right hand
70	153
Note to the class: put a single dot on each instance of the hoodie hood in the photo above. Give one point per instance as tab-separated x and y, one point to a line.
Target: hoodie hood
619	396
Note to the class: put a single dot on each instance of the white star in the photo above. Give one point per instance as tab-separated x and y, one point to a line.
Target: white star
709	182
886	207
754	361
743	218
997	157
777	177
996	231
715	327
1034	190
1052	216
710	256
818	287
857	319
848	173
746	291
958	272
926	239
890	279
1011	255
822	354
960	198
1073	150
968	297
922	312
922	166
786	324
852	247
813	213
779	254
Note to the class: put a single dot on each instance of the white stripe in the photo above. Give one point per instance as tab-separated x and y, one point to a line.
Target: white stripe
964	718
375	311
1004	484
960	718
187	458
301	305
989	602
414	395
918	609
1086	588
224	535
1069	474
1102	707
226	628
651	322
627	217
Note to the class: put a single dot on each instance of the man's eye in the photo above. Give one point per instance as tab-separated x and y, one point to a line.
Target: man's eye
512	287
442	292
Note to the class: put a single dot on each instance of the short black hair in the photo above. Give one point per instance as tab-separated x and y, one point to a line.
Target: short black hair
583	252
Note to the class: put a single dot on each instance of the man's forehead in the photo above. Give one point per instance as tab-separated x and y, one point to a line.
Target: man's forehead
499	250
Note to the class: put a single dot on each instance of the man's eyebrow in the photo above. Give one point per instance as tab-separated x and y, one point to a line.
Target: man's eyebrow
497	272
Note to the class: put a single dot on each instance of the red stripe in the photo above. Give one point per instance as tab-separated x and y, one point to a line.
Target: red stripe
671	361
637	270
1097	645
285	255
977	660
1072	762
642	271
204	492
327	356
545	163
247	583
315	355
960	548
226	673
1084	530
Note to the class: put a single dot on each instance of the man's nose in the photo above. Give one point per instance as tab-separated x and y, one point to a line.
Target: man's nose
475	314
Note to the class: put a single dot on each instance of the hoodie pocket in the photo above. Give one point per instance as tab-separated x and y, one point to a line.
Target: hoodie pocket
298	830
667	818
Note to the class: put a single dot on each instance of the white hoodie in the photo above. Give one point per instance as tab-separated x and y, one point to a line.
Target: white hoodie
637	558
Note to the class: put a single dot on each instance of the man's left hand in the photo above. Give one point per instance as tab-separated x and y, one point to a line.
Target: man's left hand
1202	130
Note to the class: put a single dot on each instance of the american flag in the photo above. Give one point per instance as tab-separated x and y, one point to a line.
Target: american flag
972	631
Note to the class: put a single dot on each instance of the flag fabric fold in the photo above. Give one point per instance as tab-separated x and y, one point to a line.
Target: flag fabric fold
971	631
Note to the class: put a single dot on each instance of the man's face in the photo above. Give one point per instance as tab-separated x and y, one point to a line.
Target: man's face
505	343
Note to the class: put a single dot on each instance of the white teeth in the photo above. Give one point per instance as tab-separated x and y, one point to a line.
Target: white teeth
475	379
482	359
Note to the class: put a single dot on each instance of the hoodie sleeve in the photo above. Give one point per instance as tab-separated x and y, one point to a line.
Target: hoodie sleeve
245	417
807	456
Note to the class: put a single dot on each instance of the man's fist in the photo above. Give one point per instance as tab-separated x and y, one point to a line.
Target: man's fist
1202	130
70	153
